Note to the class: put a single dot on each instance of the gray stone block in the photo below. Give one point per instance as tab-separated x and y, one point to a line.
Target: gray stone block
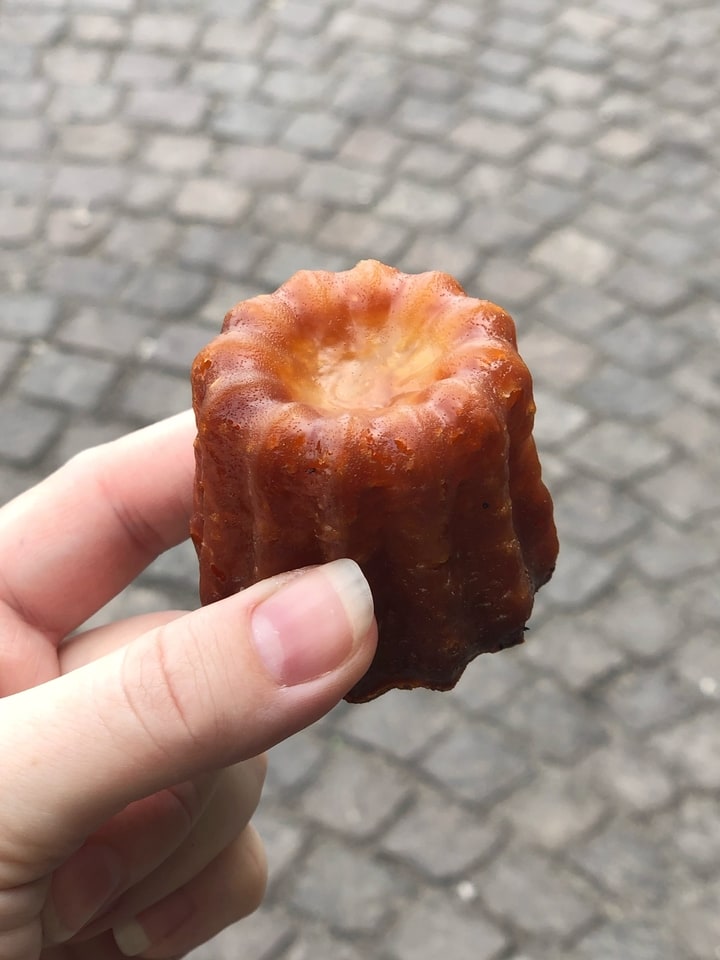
67	379
441	839
28	430
346	889
477	764
434	924
356	793
27	315
537	895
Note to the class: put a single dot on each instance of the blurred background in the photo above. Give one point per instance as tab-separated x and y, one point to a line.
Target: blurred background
161	160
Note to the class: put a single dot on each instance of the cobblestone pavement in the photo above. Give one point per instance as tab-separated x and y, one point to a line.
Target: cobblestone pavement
161	159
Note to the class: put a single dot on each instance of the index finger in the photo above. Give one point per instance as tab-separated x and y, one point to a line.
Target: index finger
68	545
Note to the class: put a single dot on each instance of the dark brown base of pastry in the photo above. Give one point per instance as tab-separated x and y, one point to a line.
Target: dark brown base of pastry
374	684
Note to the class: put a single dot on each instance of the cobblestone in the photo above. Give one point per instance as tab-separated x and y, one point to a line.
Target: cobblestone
633	941
176	347
151	395
566	164
173	154
557	419
569	86
248	123
699	382
33	30
531	891
106	142
624	860
555	811
18	224
501	142
343	186
145	69
596	515
219	249
87	277
360	907
294	765
580	578
21	179
404	728
313	943
23	136
28	431
652	698
10	354
493	228
89	185
97	330
217	201
441	251
648	288
363	236
341	798
441	839
695	923
615	451
614	392
631	779
166	292
265	934
575	257
581	310
73	65
432	926
580	663
161	161
149	194
286	258
69	380
163	31
636	619
417	205
280	215
171	108
510	284
22	98
646	345
554	724
26	314
695	830
694	748
667	553
683	492
282	841
84	104
98	30
477	764
139	241
227	35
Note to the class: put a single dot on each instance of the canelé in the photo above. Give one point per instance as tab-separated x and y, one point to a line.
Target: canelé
385	417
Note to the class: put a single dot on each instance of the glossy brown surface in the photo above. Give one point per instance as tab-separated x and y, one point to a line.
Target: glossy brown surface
385	417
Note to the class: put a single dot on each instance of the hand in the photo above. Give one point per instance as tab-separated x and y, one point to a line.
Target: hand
128	779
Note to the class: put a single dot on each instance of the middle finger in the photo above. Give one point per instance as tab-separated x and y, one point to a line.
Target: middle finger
228	812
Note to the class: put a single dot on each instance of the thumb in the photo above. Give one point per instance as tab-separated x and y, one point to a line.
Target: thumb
210	688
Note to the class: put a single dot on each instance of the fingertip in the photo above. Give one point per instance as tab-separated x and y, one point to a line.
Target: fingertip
314	624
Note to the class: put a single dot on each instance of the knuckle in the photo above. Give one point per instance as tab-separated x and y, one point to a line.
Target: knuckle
165	692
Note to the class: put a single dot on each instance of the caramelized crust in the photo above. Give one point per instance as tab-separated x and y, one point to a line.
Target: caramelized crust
385	417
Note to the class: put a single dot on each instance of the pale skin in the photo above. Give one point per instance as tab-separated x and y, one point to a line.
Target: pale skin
132	754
